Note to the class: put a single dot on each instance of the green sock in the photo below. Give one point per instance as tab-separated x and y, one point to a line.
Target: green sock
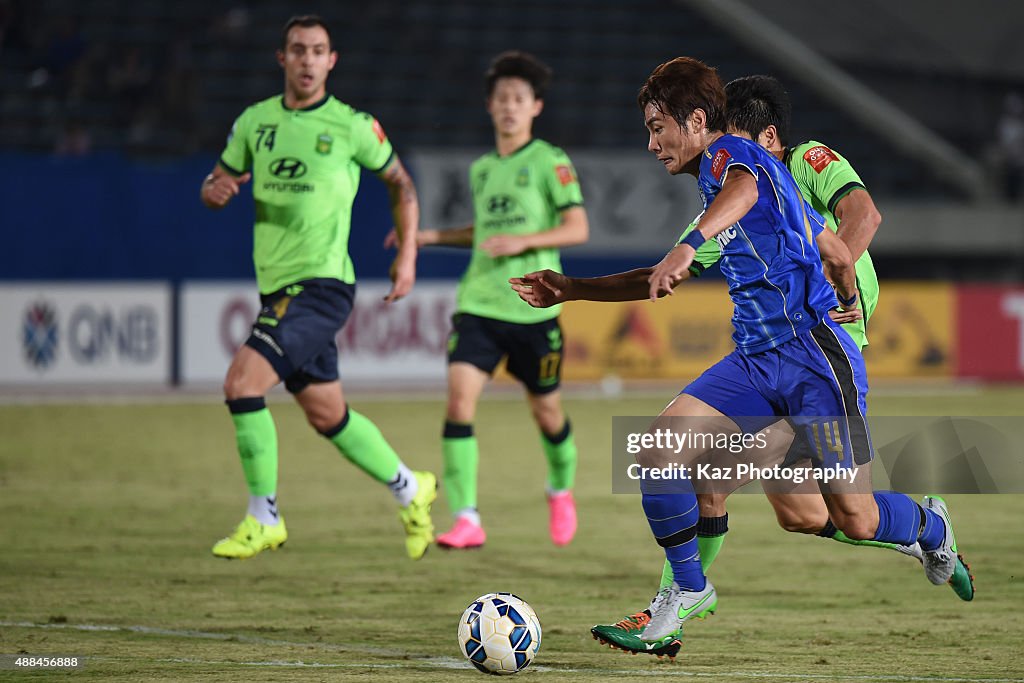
843	538
560	450
256	437
667	575
359	440
461	457
710	537
709	547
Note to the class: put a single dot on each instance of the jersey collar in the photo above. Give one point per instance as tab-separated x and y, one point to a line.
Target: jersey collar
515	151
315	105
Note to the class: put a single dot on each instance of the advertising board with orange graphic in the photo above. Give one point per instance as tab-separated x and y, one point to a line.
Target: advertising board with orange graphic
911	334
674	338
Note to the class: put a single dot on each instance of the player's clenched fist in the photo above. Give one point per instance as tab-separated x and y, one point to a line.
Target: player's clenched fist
219	187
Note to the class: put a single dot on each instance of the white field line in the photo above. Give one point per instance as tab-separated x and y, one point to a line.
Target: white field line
413	659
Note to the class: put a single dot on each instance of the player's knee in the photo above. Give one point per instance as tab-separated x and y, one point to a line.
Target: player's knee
857	526
322	421
652	457
249	375
794	522
460	408
234	387
711	504
550	420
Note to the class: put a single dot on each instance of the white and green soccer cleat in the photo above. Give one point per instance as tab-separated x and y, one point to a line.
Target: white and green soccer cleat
962	580
913	551
940	563
419	528
675	608
250	538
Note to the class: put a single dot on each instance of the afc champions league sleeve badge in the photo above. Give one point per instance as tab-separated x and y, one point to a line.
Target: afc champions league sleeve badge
323	143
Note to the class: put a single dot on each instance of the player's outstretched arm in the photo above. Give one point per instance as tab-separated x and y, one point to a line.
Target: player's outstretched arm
839	269
405	209
220	187
546	287
858	220
574	229
453	237
738	196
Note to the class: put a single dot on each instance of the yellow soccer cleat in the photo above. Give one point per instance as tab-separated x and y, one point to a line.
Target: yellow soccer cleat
419	529
249	538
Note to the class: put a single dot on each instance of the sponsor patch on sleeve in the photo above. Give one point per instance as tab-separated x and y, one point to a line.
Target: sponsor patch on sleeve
379	131
722	157
565	174
819	157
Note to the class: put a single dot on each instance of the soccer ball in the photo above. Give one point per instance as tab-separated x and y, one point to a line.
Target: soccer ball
499	633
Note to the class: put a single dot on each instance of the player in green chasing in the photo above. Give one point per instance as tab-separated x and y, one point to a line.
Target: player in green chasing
759	109
526	204
303	151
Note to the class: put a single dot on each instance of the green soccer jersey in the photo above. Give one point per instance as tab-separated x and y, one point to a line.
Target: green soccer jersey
518	194
305	174
824	177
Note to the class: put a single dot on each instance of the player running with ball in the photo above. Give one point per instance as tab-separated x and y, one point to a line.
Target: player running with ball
791	359
758	108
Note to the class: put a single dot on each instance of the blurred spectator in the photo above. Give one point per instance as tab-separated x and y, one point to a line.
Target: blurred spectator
130	81
12	26
233	25
1010	146
63	57
130	75
179	91
74	140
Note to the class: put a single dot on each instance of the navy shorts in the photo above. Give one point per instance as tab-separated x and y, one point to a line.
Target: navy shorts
533	351
816	381
296	330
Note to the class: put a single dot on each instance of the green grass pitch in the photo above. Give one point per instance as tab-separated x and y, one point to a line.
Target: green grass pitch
109	512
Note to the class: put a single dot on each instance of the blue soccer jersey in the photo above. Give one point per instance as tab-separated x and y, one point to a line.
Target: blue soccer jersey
769	257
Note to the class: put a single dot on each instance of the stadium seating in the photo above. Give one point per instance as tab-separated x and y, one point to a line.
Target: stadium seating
417	66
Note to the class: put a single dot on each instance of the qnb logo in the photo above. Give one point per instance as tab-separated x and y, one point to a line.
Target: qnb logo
287	167
723	238
101	335
39	335
500	204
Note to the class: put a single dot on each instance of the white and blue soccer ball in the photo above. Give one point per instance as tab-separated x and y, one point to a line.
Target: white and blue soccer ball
499	633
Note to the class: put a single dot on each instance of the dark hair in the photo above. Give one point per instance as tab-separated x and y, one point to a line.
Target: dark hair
516	64
756	102
305	21
678	87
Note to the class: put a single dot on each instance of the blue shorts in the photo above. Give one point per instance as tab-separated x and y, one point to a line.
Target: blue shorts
296	330
817	381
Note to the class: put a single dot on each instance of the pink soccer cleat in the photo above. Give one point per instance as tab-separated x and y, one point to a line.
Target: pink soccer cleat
562	517
465	534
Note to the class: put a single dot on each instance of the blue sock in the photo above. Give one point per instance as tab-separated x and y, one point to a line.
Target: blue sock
673	519
901	520
934	532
